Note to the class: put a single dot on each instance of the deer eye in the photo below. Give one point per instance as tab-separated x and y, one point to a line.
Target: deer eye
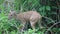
11	15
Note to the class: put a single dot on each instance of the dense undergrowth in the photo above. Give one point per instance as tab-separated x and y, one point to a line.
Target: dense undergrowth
46	8
12	27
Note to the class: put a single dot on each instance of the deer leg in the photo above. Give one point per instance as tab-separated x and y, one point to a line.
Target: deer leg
40	23
33	21
22	28
23	25
32	25
40	26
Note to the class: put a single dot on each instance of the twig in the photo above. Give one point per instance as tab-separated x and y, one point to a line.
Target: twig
51	27
49	19
50	30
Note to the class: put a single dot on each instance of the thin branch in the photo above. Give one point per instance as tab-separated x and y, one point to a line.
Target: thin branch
51	27
49	19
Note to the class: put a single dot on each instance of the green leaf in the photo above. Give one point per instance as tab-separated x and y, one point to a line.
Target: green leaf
48	8
13	32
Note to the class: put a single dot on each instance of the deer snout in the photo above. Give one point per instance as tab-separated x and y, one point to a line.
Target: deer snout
9	18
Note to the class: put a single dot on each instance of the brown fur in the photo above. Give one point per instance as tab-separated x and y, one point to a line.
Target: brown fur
31	16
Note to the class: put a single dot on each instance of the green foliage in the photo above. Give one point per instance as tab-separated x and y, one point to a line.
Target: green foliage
12	26
1	1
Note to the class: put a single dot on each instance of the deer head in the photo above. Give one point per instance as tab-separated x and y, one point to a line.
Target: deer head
11	14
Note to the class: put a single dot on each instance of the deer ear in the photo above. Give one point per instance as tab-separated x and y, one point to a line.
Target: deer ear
12	11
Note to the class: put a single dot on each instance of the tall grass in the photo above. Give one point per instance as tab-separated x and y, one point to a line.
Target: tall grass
12	26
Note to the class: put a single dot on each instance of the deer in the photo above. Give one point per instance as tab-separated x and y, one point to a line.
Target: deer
32	16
